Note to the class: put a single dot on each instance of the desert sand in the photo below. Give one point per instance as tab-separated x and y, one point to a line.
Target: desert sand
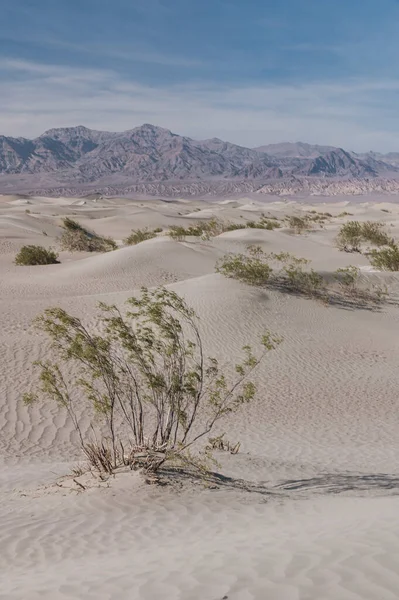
307	510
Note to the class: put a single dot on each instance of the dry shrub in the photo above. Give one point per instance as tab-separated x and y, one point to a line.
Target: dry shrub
36	255
350	237
220	443
140	235
288	273
299	224
352	234
75	238
386	259
143	380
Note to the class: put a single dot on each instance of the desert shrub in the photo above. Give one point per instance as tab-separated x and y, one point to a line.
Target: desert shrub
386	259
36	255
143	380
251	268
158	230
203	229
139	235
75	238
375	233
177	233
224	445
264	223
345	214
72	225
353	233
350	236
296	277
283	271
348	280
234	226
288	273
298	224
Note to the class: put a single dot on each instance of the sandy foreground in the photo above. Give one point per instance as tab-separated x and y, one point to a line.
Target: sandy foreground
308	510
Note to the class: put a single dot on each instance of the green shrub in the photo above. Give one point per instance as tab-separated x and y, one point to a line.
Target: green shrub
234	226
386	259
142	380
36	255
286	272
353	233
75	238
158	230
298	224
72	225
139	235
252	268
350	237
375	233
177	233
264	223
348	279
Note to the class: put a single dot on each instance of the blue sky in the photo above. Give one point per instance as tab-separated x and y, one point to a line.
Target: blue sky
250	71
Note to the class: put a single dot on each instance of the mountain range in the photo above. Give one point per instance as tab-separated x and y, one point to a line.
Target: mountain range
154	161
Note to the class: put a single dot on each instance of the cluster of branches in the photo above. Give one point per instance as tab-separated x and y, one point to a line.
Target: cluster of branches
145	381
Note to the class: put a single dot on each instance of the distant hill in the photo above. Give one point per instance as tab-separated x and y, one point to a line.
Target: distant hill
68	159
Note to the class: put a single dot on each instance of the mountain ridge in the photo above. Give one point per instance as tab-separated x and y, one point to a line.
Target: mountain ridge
73	157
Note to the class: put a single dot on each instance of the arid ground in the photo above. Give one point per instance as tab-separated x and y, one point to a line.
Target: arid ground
307	510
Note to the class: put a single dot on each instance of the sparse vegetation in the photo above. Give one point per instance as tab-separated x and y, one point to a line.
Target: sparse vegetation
36	255
375	233
143	380
353	233
386	259
288	273
224	445
348	279
298	224
345	214
350	237
264	223
75	238
139	235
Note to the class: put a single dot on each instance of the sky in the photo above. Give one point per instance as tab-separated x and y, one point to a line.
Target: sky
249	71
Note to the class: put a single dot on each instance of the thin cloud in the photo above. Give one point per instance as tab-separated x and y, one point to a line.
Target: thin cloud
35	97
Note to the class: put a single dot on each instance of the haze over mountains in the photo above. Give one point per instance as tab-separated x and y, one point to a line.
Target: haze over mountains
154	161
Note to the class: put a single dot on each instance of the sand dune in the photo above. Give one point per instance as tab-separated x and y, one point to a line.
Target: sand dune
308	508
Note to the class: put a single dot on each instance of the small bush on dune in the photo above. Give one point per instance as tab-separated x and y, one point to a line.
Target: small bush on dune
348	279
298	224
386	259
72	225
75	238
286	272
203	229
36	255
353	233
350	237
177	233
251	268
143	380
139	235
234	226
375	233
276	270
264	223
